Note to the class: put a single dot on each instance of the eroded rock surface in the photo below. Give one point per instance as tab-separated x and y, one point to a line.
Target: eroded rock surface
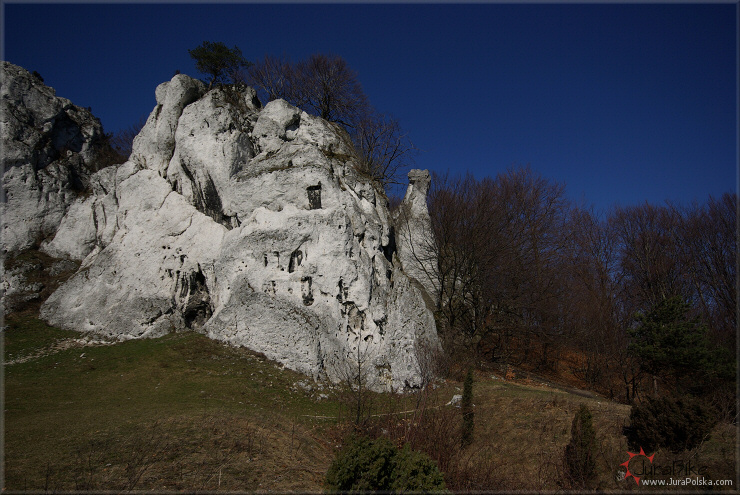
49	151
415	237
251	225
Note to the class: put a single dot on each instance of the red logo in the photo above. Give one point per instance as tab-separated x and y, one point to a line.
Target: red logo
627	464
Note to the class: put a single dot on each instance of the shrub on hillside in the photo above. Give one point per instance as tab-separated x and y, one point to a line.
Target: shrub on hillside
362	465
365	465
676	423
580	453
416	472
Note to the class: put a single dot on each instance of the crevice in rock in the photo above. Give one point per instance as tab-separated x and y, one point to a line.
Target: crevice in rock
314	197
193	299
389	249
380	323
206	198
151	320
354	318
296	258
65	134
343	291
306	291
293	126
269	287
210	203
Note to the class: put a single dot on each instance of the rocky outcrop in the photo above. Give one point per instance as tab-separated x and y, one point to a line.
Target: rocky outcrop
251	225
49	151
28	278
415	238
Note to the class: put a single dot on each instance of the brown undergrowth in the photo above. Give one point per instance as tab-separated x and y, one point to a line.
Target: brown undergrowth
185	413
216	451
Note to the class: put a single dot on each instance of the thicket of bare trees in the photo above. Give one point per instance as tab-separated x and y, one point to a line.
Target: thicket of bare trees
526	277
323	85
326	86
275	78
500	244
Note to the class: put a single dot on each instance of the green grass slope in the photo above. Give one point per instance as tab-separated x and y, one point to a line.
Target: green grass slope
182	412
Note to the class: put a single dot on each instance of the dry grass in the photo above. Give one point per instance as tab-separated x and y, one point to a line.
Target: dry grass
217	451
521	432
186	413
180	412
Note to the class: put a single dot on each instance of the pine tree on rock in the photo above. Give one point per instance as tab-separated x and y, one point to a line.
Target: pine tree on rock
218	61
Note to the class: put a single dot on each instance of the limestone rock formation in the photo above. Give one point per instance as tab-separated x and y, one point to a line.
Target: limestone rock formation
413	225
30	277
251	225
49	149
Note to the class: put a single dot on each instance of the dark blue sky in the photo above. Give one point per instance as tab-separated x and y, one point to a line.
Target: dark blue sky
621	103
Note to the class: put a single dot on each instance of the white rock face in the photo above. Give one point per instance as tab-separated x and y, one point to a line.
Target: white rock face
90	220
415	236
248	224
48	152
155	142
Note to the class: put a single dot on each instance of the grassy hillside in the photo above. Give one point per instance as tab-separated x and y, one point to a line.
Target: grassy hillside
184	412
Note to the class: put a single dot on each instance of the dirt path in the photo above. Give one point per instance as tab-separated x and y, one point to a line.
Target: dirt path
60	345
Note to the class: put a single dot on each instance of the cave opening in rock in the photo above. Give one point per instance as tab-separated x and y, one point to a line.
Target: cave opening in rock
296	258
314	196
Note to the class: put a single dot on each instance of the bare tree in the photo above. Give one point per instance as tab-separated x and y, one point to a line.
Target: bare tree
532	285
431	361
453	215
357	372
275	78
650	268
123	140
523	275
385	152
708	245
595	311
326	85
501	246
